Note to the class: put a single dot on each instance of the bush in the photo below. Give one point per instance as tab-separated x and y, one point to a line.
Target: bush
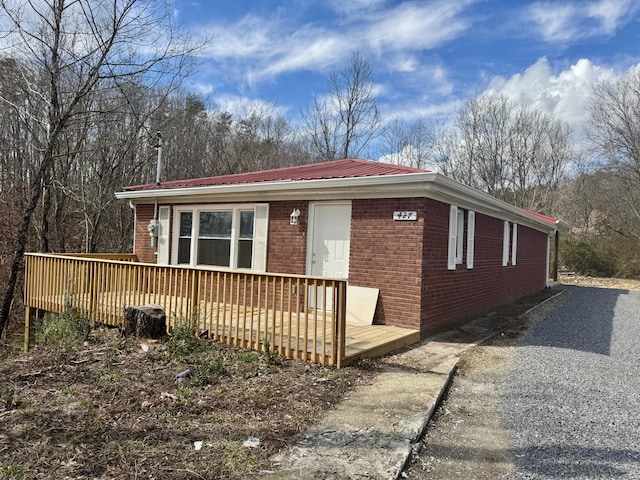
204	357
208	371
629	268
184	344
586	259
64	330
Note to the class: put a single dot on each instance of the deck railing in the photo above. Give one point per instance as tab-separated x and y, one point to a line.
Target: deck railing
296	316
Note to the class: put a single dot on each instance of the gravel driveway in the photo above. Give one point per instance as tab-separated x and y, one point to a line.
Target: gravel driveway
571	400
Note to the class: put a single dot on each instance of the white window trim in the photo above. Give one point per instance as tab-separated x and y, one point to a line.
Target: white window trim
505	244
453	237
456	237
514	243
471	232
509	243
260	228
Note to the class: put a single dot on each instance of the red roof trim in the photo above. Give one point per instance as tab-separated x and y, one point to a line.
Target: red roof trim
347	168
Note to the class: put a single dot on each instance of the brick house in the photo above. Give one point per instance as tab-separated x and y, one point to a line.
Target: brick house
438	251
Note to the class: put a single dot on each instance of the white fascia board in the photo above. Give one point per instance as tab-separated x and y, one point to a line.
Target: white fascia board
429	184
495	207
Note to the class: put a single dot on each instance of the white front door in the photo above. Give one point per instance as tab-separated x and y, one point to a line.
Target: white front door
328	242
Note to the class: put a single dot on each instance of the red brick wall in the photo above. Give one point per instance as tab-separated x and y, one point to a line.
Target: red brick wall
387	254
287	244
143	249
450	296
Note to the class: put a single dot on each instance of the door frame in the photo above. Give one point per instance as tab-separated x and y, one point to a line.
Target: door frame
311	230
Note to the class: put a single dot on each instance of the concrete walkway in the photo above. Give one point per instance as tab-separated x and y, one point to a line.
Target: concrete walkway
371	434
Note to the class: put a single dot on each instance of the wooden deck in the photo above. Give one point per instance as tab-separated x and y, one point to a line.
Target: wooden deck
247	310
375	340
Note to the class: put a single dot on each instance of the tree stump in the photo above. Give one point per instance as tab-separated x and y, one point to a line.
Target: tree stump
147	321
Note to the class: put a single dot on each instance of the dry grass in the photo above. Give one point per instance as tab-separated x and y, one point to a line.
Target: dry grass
618	283
105	408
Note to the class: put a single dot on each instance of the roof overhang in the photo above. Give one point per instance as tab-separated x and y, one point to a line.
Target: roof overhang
428	184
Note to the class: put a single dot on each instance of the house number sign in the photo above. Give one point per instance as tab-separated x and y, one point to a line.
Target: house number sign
405	216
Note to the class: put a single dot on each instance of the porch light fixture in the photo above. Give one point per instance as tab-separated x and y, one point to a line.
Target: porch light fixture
293	218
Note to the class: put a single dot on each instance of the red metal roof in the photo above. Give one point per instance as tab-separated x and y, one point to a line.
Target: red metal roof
347	168
544	218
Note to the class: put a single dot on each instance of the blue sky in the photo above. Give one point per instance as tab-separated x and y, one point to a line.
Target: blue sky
427	56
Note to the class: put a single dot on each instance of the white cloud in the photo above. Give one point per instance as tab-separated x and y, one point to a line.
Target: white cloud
306	50
250	37
555	22
351	7
428	80
403	63
568	22
258	47
240	106
203	88
407	28
416	26
565	95
273	46
411	111
611	14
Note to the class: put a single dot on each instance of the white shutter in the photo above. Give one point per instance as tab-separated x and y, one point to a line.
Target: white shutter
453	237
260	230
471	229
514	243
460	236
163	236
505	245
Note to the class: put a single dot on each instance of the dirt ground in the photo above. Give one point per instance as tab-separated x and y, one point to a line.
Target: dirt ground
113	408
465	440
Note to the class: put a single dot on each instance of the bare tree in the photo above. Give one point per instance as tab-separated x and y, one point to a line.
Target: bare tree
412	144
201	141
70	49
515	153
615	133
342	124
479	153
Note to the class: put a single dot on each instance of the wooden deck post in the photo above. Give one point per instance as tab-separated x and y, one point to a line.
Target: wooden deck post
341	323
192	308
28	327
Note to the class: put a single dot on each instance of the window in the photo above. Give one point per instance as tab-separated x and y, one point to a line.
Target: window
231	236
245	242
458	219
184	238
509	243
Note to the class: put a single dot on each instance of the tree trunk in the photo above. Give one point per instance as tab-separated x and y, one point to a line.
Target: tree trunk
21	240
147	321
